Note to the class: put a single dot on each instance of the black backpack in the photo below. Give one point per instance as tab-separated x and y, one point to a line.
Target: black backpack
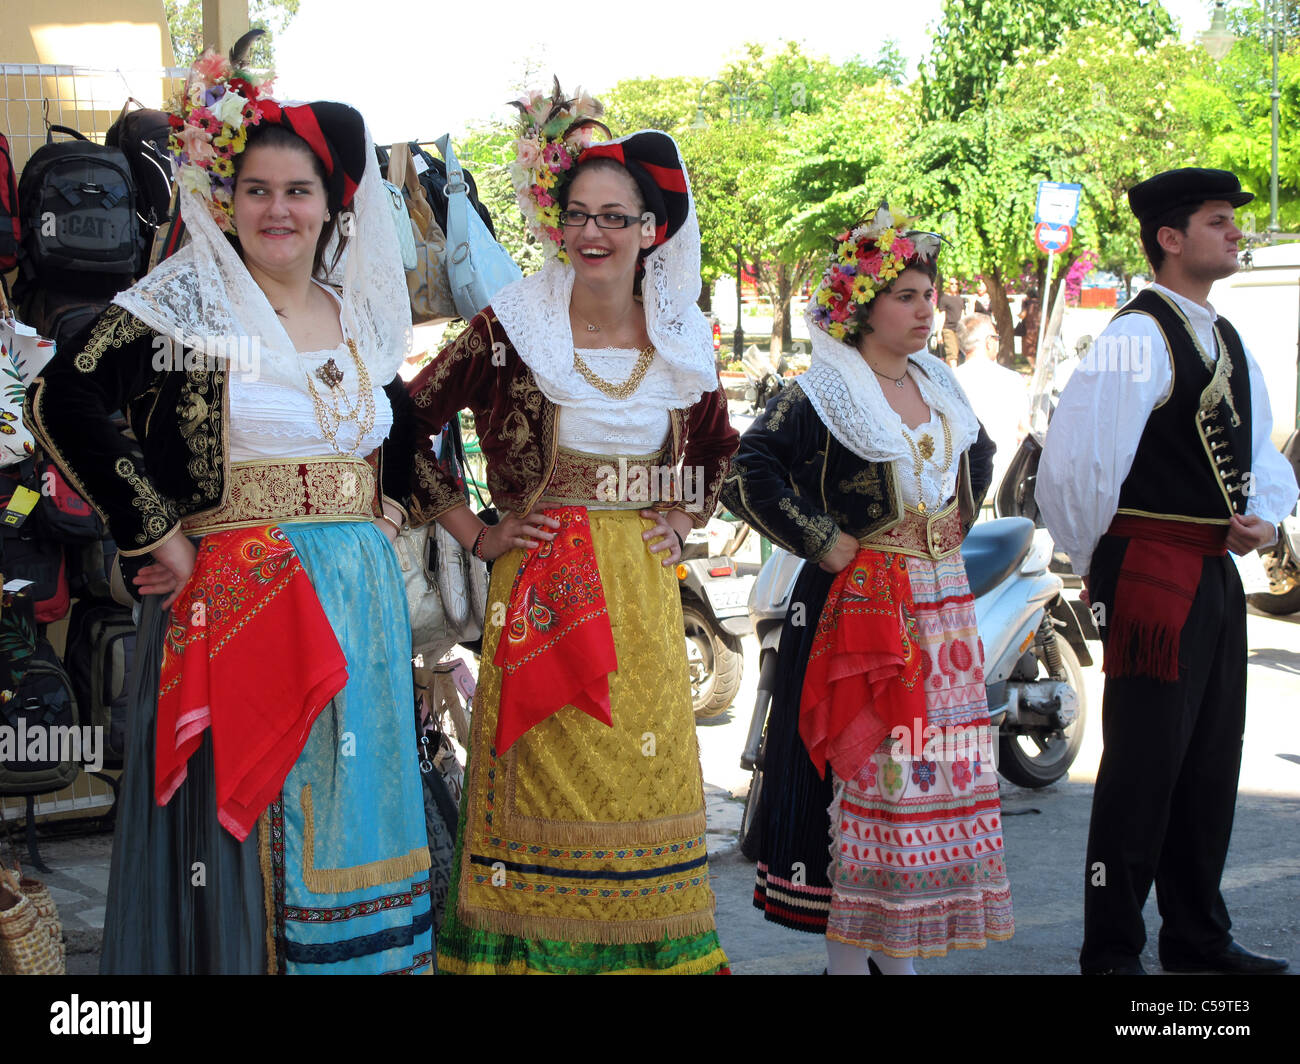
61	316
142	136
80	229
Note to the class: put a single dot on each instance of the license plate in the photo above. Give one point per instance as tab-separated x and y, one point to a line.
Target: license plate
729	594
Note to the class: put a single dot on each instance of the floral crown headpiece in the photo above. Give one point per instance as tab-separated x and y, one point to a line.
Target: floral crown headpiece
554	131
218	106
865	260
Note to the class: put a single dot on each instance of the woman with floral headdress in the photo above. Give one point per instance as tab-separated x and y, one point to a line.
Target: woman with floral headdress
582	842
271	817
871	466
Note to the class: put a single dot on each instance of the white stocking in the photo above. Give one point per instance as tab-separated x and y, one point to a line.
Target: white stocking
893	965
843	959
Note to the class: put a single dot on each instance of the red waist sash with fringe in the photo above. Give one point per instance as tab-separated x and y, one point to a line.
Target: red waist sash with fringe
249	653
557	646
1154	593
864	676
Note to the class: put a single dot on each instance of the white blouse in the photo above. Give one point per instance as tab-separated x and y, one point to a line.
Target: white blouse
937	483
271	420
591	422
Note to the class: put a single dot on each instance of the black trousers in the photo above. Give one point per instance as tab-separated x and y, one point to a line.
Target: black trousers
1166	788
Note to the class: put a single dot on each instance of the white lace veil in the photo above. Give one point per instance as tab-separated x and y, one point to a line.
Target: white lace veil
204	297
843	390
535	313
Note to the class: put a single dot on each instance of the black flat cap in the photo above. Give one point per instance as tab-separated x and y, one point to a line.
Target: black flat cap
1179	188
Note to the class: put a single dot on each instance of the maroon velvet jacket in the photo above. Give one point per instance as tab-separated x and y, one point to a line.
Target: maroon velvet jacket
516	426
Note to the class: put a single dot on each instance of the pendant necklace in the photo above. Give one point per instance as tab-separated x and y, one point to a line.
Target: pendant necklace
898	381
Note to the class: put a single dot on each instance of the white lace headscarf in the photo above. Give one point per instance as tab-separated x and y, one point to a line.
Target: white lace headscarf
535	313
846	395
205	297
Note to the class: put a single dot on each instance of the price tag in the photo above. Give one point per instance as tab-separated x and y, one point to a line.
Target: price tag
22	503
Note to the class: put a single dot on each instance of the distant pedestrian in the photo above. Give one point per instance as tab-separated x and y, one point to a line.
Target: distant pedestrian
953	307
998	394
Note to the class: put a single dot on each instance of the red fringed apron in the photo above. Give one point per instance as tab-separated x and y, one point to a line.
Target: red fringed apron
1154	592
557	646
251	654
864	670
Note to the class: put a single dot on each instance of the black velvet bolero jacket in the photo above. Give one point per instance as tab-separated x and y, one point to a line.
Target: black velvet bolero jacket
179	417
796	484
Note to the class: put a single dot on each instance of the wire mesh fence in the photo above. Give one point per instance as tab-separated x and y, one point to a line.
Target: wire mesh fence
36	96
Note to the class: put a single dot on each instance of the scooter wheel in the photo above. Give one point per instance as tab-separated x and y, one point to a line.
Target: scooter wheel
1034	758
714	659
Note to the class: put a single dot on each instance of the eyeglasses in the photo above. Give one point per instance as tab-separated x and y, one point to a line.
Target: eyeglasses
577	219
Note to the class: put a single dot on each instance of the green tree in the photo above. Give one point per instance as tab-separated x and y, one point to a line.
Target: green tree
976	40
1122	123
1230	104
185	23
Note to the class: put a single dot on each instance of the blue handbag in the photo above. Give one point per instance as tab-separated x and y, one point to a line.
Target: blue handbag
477	266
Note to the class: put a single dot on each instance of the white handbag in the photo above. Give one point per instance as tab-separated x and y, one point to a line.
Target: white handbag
446	596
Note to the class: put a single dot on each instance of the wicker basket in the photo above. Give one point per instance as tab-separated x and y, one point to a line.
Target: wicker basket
31	934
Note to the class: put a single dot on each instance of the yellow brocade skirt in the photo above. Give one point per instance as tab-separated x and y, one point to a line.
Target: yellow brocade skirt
582	833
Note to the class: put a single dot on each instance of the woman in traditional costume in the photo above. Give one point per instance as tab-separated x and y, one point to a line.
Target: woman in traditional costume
271	817
582	839
871	466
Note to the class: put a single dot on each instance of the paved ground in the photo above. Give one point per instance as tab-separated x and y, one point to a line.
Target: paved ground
1045	834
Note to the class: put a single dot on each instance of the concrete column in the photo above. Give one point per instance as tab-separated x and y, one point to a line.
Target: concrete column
223	23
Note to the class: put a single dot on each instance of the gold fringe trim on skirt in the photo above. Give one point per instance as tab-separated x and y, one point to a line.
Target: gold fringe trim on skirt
268	888
358	877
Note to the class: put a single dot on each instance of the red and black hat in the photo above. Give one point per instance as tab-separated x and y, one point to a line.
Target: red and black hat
336	134
652	160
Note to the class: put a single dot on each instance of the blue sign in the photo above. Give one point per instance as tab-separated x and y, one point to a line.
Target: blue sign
1058	203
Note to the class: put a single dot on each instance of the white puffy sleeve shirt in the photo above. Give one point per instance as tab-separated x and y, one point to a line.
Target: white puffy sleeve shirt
1095	430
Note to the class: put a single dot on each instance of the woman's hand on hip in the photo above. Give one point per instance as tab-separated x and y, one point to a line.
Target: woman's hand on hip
173	562
513	531
663	537
841	555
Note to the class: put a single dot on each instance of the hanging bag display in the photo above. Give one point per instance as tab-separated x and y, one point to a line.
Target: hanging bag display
427	281
477	266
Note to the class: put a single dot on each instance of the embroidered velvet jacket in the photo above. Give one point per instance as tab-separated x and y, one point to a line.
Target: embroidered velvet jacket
799	486
176	465
516	426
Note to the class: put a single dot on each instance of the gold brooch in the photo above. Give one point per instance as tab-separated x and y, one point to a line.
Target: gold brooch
330	374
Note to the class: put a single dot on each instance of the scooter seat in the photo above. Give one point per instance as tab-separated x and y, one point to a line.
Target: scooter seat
994	549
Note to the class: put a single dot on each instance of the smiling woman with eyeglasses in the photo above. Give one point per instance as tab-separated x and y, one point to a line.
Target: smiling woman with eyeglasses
584	768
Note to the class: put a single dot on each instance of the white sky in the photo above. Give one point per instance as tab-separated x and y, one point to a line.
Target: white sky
420	68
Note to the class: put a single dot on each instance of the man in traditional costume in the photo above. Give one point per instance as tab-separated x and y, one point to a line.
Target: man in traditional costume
1157	463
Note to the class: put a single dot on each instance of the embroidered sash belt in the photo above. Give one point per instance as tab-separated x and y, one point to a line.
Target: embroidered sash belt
277	490
921	535
612	481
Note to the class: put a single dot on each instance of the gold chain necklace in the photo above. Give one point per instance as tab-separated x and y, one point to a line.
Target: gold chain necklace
616	391
923	451
338	412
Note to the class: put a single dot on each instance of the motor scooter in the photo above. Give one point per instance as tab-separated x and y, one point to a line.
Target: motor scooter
1034	654
715	613
1282	560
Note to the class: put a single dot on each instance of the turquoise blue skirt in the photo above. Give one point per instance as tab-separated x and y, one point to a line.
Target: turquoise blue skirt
340	884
